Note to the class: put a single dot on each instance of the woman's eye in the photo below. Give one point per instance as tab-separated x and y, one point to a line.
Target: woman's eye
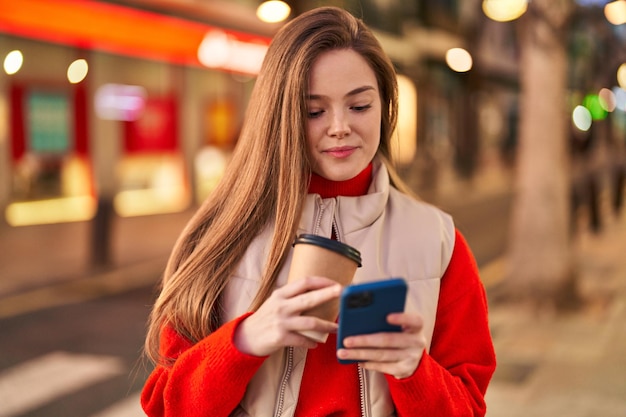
361	108
315	113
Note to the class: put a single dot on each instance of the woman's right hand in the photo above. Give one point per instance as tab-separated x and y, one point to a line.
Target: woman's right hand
277	322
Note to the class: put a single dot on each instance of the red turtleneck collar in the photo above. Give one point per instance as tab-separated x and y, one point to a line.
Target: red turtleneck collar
354	187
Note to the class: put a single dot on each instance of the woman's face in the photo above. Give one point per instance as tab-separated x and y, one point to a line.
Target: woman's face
344	115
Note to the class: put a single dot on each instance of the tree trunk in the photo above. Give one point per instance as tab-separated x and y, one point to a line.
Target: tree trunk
539	266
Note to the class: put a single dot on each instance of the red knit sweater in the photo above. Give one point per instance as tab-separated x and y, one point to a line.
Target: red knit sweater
210	377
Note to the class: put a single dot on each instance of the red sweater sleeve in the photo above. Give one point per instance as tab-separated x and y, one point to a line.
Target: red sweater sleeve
452	379
207	379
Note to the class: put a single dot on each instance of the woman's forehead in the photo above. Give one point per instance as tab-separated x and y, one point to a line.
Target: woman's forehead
343	70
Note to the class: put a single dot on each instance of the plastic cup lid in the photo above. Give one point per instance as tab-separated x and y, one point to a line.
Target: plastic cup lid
334	245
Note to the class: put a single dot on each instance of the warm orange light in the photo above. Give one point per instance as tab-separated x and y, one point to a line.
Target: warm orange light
13	62
219	50
77	71
621	76
459	59
615	12
53	210
165	188
404	139
273	11
504	10
109	27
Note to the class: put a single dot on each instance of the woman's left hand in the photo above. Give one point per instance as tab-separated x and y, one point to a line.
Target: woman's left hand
394	353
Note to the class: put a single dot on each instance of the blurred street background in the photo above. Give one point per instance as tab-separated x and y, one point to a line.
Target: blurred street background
117	119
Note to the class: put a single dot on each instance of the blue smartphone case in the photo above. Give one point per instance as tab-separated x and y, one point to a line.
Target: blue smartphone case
363	308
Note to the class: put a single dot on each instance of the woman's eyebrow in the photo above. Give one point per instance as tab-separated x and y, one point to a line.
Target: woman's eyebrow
354	92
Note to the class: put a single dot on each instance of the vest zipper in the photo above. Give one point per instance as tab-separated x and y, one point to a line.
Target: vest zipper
283	384
362	394
318	220
320	213
334	224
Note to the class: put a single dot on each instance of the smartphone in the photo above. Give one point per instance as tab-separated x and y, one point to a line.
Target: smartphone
363	308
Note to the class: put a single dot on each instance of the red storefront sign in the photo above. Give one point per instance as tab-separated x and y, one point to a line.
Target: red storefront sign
156	128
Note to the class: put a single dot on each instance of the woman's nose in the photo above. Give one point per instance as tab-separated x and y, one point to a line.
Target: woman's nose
339	126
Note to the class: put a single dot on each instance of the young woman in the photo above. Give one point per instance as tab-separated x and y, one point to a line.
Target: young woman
314	157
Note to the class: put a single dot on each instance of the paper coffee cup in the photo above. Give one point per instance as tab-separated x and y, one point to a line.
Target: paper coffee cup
315	255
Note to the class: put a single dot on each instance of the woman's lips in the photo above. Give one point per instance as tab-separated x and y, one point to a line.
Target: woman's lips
341	152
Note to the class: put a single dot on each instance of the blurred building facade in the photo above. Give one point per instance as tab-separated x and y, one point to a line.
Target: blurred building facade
149	128
145	130
66	147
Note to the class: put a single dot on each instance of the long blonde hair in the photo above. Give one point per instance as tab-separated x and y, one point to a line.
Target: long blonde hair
267	178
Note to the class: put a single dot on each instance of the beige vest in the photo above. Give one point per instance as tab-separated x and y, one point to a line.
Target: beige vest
397	237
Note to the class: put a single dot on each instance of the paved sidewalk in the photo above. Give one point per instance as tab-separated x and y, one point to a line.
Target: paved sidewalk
32	257
568	364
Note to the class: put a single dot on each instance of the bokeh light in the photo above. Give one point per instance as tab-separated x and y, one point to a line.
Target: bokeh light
593	103
273	11
581	118
13	62
621	76
120	101
620	98
459	60
219	50
607	99
404	145
504	10
615	12
77	71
